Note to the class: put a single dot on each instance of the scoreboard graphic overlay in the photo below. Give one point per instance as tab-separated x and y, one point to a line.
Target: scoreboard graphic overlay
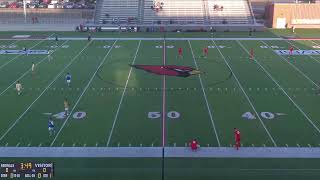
26	170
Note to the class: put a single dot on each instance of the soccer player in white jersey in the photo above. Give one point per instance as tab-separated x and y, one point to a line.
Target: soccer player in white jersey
18	87
33	68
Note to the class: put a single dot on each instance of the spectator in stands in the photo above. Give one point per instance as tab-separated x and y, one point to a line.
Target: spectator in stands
215	7
221	8
157	5
293	28
81	28
224	21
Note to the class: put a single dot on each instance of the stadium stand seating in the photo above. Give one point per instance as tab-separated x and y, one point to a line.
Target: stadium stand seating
174	12
234	12
117	11
184	12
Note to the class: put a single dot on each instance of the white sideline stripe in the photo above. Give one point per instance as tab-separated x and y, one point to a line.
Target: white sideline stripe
29	69
297	69
123	93
17	120
161	39
205	97
3	65
176	39
247	97
84	90
156	152
295	104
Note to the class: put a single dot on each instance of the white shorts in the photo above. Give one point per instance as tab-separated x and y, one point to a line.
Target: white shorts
18	89
66	109
50	129
68	81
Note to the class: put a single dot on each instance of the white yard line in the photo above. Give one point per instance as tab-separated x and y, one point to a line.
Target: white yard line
205	97
282	89
123	93
29	70
83	92
19	118
297	69
3	65
247	97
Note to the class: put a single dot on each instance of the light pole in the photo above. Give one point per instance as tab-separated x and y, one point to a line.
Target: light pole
25	10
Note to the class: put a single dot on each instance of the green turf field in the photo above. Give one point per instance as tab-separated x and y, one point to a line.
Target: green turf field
272	99
122	106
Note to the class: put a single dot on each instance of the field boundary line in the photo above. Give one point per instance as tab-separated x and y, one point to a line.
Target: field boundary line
29	69
247	97
18	119
177	39
82	93
156	152
271	77
3	65
296	68
205	97
123	93
162	38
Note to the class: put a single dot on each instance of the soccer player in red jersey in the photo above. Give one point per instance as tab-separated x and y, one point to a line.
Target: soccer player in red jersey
180	52
291	50
194	145
251	54
237	138
205	52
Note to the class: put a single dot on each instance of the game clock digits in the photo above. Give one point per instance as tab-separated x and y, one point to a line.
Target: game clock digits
26	170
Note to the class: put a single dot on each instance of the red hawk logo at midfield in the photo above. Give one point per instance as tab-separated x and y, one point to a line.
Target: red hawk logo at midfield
169	70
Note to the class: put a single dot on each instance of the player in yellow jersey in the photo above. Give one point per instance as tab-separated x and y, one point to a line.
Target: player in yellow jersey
66	107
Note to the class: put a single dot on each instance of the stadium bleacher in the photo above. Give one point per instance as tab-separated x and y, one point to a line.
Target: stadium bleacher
117	11
234	12
167	12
